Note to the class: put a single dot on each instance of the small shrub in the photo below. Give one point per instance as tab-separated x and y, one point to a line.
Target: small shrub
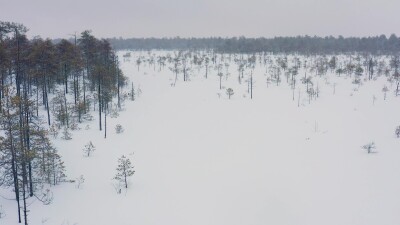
119	129
114	113
79	181
397	132
369	147
46	196
2	212
88	117
74	126
66	134
89	148
54	131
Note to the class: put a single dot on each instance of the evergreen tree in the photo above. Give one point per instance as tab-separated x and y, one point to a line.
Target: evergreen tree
89	149
229	92
124	170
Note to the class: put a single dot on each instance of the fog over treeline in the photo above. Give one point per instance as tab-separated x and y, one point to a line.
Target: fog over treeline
299	44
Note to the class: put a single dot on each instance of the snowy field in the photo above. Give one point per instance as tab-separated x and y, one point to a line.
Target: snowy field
204	159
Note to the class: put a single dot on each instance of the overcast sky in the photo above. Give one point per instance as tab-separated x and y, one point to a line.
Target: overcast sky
204	18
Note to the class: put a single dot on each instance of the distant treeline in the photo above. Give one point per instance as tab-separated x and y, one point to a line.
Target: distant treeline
300	44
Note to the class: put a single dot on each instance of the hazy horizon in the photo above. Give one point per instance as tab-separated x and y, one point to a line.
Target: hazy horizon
207	18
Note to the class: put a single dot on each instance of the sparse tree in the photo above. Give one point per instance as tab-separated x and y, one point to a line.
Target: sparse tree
220	80
124	170
89	148
332	63
385	89
308	81
119	129
66	134
79	181
229	92
138	62
53	130
132	94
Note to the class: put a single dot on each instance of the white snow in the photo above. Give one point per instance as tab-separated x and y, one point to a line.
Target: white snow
202	159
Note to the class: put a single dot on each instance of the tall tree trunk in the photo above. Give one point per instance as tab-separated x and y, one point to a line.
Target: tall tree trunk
84	91
24	156
14	167
66	78
99	97
1	88
46	100
37	100
66	110
78	99
27	136
24	184
251	85
75	89
119	100
126	182
105	120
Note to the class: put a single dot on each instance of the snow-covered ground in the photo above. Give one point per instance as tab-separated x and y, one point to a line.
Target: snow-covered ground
203	159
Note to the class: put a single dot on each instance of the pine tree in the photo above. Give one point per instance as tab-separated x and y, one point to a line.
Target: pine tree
66	134
229	92
133	93
30	72
89	148
119	129
124	170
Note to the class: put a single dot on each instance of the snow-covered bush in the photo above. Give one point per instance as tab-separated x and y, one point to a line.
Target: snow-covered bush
369	147
114	113
88	117
53	131
117	186
46	196
2	212
75	126
115	108
385	89
79	181
397	132
119	129
66	134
